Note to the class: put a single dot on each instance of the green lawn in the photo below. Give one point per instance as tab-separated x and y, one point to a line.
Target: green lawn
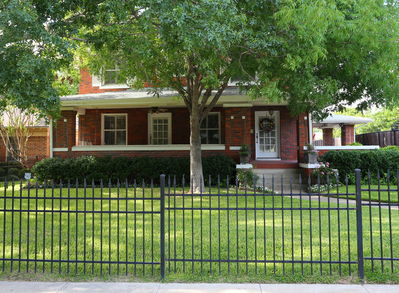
369	193
281	235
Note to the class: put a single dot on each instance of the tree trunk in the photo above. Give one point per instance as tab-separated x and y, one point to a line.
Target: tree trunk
196	174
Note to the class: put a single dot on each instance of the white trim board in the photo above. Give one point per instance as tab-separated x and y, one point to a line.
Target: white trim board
60	149
345	147
166	147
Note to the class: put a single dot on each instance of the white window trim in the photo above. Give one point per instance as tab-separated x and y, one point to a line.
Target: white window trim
115	69
159	115
219	126
102	125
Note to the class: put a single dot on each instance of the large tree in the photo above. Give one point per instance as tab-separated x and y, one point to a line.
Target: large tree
311	54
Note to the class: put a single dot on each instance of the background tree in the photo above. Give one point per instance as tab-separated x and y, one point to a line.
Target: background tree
15	131
36	42
383	119
309	54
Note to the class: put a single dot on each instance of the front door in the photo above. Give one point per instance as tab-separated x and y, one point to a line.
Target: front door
267	134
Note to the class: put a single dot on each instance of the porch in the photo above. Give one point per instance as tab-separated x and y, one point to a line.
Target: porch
123	124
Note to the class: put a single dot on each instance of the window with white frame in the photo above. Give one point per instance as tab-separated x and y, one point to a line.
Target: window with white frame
114	129
210	129
112	76
160	128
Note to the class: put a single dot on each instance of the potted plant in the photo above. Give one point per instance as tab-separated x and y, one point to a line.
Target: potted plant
311	154
244	154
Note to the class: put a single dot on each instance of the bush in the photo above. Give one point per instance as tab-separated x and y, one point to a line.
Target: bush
143	168
372	161
391	147
247	178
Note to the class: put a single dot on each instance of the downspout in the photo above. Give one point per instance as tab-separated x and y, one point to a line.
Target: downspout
51	138
310	126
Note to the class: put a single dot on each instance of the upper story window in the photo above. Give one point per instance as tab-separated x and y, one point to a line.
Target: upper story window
112	76
114	129
210	129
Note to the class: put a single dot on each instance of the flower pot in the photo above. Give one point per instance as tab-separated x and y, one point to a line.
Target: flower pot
244	158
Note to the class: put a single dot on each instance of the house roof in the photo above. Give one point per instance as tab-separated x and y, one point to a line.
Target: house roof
335	120
146	98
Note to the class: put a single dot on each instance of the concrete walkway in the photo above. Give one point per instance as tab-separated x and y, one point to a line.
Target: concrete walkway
93	287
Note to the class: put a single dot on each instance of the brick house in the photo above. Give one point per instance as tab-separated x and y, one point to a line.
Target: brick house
38	145
109	119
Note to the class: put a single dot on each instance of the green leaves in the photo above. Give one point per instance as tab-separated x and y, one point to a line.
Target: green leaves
30	53
309	53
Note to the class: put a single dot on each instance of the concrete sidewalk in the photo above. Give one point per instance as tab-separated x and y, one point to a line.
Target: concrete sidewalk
69	287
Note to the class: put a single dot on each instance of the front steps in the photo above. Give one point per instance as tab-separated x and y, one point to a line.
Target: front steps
281	179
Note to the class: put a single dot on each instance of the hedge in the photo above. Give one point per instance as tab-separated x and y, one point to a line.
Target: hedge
138	168
372	161
11	171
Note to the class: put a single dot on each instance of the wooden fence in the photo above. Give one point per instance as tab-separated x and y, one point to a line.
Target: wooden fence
381	138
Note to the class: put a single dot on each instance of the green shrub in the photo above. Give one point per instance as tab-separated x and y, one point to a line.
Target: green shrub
391	148
372	161
139	169
3	172
246	178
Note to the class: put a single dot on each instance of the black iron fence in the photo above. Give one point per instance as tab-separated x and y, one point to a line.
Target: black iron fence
130	228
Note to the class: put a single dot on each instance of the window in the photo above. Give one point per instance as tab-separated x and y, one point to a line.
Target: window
210	129
112	76
114	129
160	128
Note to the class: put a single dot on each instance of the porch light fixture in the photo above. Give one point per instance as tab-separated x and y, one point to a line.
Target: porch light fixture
154	110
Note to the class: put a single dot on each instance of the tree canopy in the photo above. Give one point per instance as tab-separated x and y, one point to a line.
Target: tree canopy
312	54
383	119
35	44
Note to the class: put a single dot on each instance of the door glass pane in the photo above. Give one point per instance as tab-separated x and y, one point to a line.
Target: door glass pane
267	137
160	131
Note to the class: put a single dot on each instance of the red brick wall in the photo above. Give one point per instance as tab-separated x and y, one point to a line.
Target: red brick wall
38	146
328	136
235	130
90	125
86	86
288	136
38	149
155	154
303	135
64	131
347	134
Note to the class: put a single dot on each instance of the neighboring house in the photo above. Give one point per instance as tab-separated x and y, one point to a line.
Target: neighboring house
347	124
107	118
38	145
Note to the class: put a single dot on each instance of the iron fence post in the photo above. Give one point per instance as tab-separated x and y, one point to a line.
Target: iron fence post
359	225
162	223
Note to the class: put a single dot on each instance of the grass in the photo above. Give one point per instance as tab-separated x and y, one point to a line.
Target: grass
283	235
369	193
